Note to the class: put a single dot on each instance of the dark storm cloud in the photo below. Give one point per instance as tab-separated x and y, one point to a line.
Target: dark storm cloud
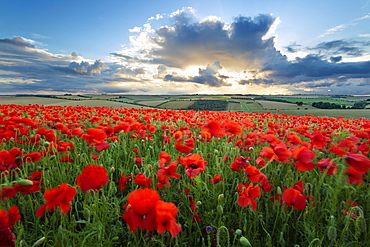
292	48
255	81
208	76
336	59
342	47
313	67
17	41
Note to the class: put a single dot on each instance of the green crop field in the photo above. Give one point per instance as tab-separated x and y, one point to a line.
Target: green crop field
181	104
98	103
31	100
151	103
340	101
234	106
271	105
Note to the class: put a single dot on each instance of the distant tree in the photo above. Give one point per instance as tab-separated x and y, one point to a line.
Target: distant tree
299	103
359	105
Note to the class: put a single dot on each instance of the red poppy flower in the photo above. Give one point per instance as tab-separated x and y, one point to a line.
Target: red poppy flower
145	210
123	181
92	177
194	164
196	218
60	196
7	220
186	147
94	136
303	157
216	179
294	198
232	127
138	160
169	170
163	181
164	158
354	176
141	180
248	193
165	216
28	189
359	162
32	157
214	128
254	174
7	192
260	162
328	166
65	159
102	146
240	163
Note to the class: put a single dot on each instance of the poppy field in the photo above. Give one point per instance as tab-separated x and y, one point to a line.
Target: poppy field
97	176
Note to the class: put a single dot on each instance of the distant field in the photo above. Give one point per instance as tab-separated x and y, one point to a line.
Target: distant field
31	100
251	105
151	103
71	97
99	103
347	113
271	105
309	101
232	106
181	104
103	96
145	97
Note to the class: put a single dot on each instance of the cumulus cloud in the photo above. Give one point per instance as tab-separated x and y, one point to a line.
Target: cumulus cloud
240	45
86	68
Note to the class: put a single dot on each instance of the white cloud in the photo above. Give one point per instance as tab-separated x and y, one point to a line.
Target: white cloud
344	26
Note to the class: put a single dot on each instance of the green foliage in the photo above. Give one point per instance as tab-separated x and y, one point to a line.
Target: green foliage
209	105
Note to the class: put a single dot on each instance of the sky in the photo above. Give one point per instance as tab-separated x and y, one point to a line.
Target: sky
185	47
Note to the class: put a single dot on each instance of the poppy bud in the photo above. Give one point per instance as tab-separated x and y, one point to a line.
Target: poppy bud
220	198
332	233
39	242
25	182
245	242
238	232
279	191
112	169
103	199
87	214
199	203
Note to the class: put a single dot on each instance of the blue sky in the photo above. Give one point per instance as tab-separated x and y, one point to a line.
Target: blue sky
177	47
